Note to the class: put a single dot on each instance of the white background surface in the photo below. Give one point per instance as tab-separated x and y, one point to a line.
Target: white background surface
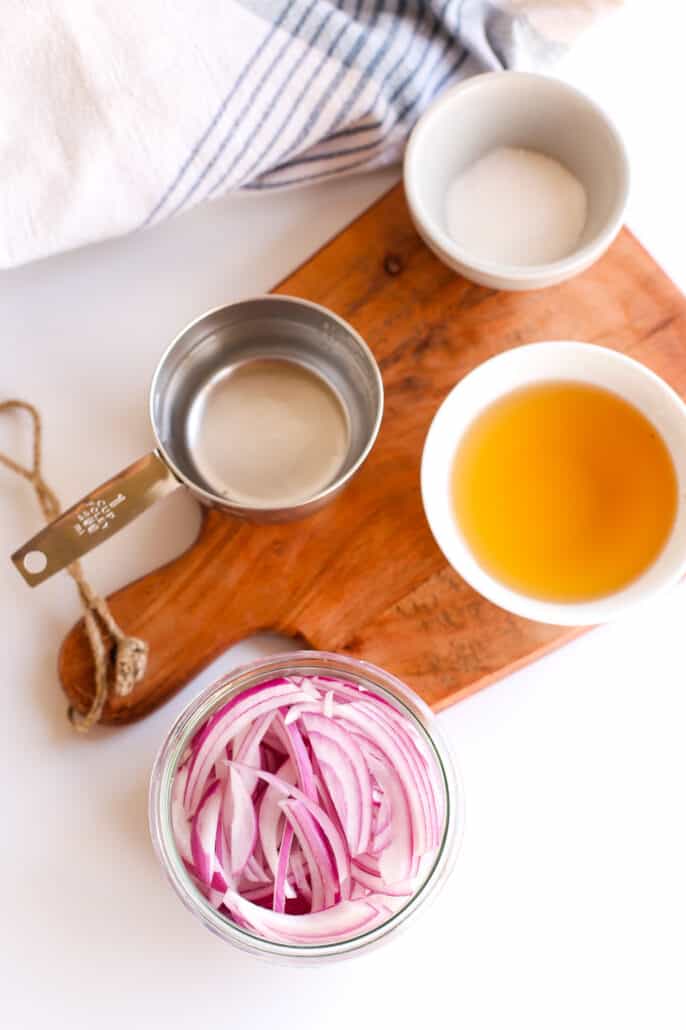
568	906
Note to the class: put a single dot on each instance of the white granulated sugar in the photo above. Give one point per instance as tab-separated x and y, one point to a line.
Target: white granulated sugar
517	207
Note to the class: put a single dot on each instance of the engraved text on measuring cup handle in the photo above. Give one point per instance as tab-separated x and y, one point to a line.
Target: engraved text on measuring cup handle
96	517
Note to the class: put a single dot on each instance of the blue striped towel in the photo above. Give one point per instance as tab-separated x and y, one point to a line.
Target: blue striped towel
113	117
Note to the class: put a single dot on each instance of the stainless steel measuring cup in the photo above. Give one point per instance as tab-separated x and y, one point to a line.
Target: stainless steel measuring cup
209	349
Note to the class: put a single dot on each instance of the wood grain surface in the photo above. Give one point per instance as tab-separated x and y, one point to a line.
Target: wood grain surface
364	576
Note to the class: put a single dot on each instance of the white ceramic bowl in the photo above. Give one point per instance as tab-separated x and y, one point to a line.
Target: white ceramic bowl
522	110
521	366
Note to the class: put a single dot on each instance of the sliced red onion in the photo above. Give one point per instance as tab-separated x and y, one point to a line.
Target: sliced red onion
399	727
307	809
358	891
325	797
260	893
384	710
331	795
381	839
382	815
330	831
318	860
342	786
269	758
221	877
367	863
318	724
300	873
203	733
282	870
243	821
215	898
253	876
235	718
338	922
256	866
204	833
373	728
249	749
180	824
395	860
271	817
290	736
399	889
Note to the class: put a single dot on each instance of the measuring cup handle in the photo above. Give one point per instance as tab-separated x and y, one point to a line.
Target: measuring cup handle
96	517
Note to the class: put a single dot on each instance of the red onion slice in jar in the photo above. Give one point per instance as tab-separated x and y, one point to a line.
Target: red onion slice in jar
340	921
282	870
204	833
180	824
319	727
243	821
309	809
271	817
226	724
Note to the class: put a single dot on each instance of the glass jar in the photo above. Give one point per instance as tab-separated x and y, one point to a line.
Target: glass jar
300	663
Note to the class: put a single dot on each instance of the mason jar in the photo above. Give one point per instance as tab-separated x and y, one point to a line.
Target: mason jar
306	664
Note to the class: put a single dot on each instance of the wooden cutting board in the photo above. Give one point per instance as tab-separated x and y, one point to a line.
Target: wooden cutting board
364	576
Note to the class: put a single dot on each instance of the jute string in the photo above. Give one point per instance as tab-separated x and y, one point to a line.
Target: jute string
119	661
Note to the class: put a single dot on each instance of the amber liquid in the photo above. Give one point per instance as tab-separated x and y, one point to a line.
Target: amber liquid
564	491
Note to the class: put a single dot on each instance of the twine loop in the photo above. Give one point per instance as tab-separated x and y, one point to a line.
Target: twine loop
119	660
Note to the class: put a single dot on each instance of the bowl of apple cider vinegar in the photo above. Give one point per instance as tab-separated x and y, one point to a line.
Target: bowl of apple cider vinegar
554	478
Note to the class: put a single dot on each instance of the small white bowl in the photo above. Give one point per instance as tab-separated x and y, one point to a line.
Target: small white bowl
516	109
536	362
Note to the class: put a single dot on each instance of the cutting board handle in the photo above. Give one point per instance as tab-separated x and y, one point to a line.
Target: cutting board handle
364	576
188	612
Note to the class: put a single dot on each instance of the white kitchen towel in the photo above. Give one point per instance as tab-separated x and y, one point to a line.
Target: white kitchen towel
115	116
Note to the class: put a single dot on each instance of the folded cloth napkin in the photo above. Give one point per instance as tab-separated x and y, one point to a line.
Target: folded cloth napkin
115	116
